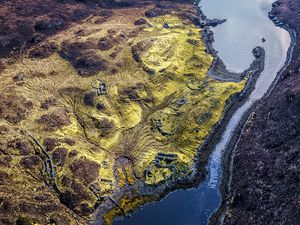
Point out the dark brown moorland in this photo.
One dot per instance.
(25, 23)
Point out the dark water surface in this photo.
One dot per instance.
(182, 207)
(247, 23)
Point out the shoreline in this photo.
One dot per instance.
(158, 193)
(117, 147)
(228, 158)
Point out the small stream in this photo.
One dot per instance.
(247, 23)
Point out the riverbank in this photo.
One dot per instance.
(54, 92)
(113, 120)
(241, 201)
(199, 171)
(245, 118)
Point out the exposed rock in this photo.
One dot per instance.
(19, 78)
(213, 22)
(166, 25)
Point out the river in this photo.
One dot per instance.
(247, 23)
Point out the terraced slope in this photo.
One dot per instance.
(96, 116)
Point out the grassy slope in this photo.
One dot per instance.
(103, 144)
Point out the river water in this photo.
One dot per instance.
(247, 23)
